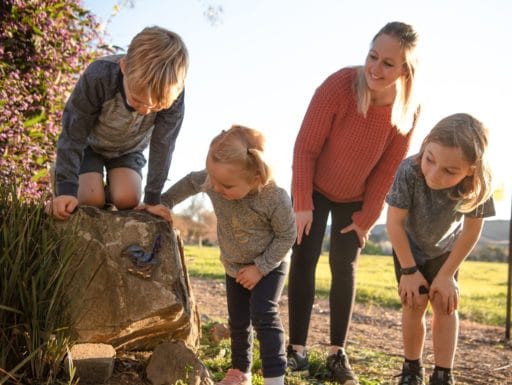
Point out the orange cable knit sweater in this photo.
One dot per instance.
(343, 155)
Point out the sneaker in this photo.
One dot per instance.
(441, 378)
(411, 375)
(340, 369)
(235, 377)
(296, 362)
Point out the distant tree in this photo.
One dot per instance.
(183, 224)
(198, 222)
(44, 45)
(489, 254)
(210, 222)
(378, 237)
(211, 12)
(372, 248)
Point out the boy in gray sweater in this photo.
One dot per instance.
(120, 105)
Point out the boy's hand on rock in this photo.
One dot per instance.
(159, 210)
(61, 207)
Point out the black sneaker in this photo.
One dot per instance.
(296, 361)
(340, 369)
(411, 375)
(440, 377)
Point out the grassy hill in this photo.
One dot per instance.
(492, 245)
(494, 231)
(497, 231)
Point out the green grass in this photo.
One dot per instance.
(374, 367)
(483, 285)
(36, 264)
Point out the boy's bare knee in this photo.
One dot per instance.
(92, 200)
(438, 308)
(126, 202)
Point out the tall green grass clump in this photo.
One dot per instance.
(35, 265)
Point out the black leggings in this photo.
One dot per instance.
(258, 308)
(344, 250)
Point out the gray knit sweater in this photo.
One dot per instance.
(257, 229)
(97, 115)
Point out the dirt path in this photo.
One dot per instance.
(483, 355)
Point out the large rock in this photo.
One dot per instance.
(172, 362)
(130, 307)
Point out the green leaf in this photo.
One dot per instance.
(11, 309)
(34, 120)
(40, 174)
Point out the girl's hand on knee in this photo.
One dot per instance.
(448, 289)
(249, 276)
(409, 289)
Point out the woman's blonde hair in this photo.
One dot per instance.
(471, 136)
(405, 106)
(156, 63)
(243, 147)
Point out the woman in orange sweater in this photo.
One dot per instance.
(355, 132)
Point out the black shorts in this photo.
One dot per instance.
(94, 162)
(429, 268)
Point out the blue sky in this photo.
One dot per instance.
(260, 65)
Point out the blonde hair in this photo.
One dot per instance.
(405, 106)
(156, 63)
(471, 136)
(243, 147)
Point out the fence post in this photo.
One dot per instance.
(509, 286)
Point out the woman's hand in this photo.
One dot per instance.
(362, 234)
(303, 221)
(249, 276)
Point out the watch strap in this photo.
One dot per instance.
(408, 270)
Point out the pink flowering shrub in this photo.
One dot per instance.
(44, 45)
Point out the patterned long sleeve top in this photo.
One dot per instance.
(258, 229)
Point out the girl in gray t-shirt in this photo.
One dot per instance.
(436, 208)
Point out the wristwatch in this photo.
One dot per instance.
(408, 270)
